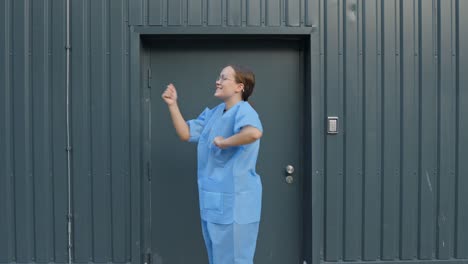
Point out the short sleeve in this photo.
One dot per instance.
(247, 116)
(196, 126)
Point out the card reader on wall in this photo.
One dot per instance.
(332, 125)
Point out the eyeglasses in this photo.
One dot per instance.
(223, 78)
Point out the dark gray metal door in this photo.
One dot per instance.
(193, 66)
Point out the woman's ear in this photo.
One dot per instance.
(240, 87)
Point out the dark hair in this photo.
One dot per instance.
(246, 77)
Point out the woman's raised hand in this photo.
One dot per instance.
(170, 95)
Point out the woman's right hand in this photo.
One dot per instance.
(170, 95)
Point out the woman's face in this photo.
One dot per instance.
(226, 86)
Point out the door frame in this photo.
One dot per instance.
(314, 128)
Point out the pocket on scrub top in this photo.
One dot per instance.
(212, 201)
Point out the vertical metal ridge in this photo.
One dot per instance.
(195, 12)
(436, 37)
(399, 38)
(302, 12)
(379, 120)
(3, 153)
(154, 11)
(399, 83)
(60, 124)
(108, 134)
(447, 123)
(341, 112)
(454, 55)
(111, 257)
(35, 126)
(184, 13)
(360, 83)
(381, 80)
(234, 15)
(292, 13)
(363, 83)
(244, 8)
(127, 83)
(126, 115)
(175, 15)
(420, 126)
(362, 47)
(28, 128)
(10, 220)
(136, 12)
(454, 36)
(371, 179)
(398, 105)
(430, 126)
(116, 74)
(273, 12)
(88, 109)
(91, 140)
(49, 102)
(41, 136)
(417, 82)
(325, 83)
(343, 82)
(224, 13)
(107, 76)
(399, 122)
(391, 136)
(462, 122)
(353, 124)
(98, 100)
(254, 13)
(309, 15)
(410, 130)
(417, 96)
(81, 131)
(215, 12)
(282, 15)
(334, 155)
(263, 12)
(146, 12)
(456, 17)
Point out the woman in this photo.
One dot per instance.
(230, 190)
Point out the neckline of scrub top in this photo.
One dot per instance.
(232, 107)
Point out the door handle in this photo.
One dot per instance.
(289, 171)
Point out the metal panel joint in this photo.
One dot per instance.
(149, 77)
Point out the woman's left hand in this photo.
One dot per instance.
(218, 141)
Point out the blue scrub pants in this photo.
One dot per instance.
(230, 244)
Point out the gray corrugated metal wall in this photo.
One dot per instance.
(33, 177)
(389, 186)
(269, 13)
(395, 74)
(33, 182)
(100, 131)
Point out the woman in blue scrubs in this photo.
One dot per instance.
(230, 190)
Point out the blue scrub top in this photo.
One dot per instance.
(230, 190)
